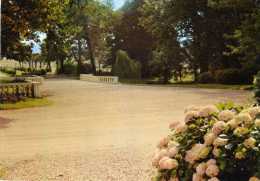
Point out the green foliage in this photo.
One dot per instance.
(19, 20)
(257, 87)
(26, 103)
(70, 68)
(125, 67)
(131, 37)
(206, 77)
(8, 71)
(24, 71)
(233, 76)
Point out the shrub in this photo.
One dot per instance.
(8, 71)
(211, 144)
(257, 87)
(125, 67)
(35, 72)
(70, 68)
(233, 76)
(206, 77)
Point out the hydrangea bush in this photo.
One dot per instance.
(213, 143)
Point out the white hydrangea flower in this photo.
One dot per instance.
(201, 168)
(244, 118)
(254, 179)
(250, 142)
(216, 152)
(209, 138)
(208, 110)
(196, 152)
(226, 115)
(253, 111)
(257, 123)
(233, 123)
(220, 142)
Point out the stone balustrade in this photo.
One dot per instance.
(104, 79)
(34, 79)
(26, 89)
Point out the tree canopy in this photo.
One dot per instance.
(169, 38)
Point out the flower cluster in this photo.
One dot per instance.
(211, 144)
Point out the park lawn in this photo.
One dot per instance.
(213, 86)
(188, 84)
(28, 103)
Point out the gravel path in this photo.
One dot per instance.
(95, 132)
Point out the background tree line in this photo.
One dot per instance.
(212, 40)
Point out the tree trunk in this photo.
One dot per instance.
(79, 57)
(49, 65)
(62, 65)
(91, 54)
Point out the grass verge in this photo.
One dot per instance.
(28, 103)
(2, 171)
(213, 86)
(188, 84)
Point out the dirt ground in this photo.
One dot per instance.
(95, 131)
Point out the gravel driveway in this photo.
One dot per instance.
(95, 132)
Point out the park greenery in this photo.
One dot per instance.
(211, 41)
(25, 103)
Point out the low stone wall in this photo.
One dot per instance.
(104, 79)
(26, 89)
(34, 79)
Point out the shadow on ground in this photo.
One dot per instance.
(4, 122)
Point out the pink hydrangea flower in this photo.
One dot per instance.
(254, 179)
(172, 152)
(197, 177)
(218, 127)
(174, 124)
(211, 162)
(174, 179)
(213, 179)
(163, 142)
(201, 168)
(168, 163)
(191, 115)
(212, 170)
(180, 128)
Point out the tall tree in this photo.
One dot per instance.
(132, 37)
(19, 20)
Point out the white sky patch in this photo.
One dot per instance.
(36, 46)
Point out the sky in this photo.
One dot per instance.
(118, 3)
(37, 47)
